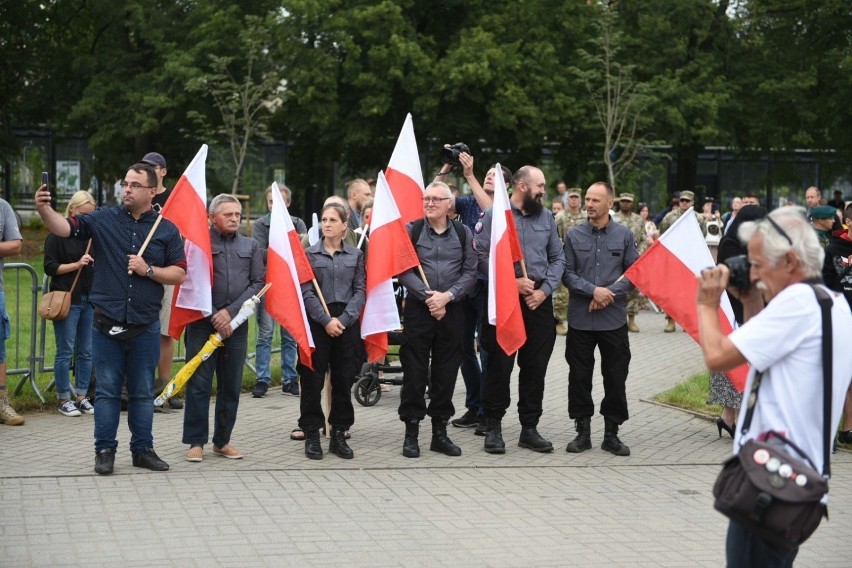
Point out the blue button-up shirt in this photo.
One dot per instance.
(115, 234)
(597, 258)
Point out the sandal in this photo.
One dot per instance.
(297, 434)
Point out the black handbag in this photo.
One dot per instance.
(765, 487)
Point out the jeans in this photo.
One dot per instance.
(227, 362)
(614, 346)
(744, 550)
(473, 369)
(136, 361)
(263, 349)
(74, 329)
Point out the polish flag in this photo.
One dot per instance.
(667, 272)
(187, 209)
(504, 304)
(391, 253)
(404, 176)
(287, 267)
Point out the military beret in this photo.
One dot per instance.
(823, 212)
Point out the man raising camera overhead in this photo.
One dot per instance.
(782, 338)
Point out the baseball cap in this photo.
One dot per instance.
(154, 159)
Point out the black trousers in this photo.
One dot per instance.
(533, 357)
(615, 360)
(341, 355)
(425, 336)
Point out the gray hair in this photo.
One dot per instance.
(446, 189)
(223, 198)
(805, 244)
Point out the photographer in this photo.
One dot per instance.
(782, 338)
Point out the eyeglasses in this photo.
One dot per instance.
(435, 200)
(778, 228)
(134, 185)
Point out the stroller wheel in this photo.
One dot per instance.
(368, 390)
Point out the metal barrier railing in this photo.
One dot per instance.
(21, 312)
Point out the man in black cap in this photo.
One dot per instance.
(167, 344)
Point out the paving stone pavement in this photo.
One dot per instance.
(277, 508)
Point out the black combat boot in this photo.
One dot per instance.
(410, 448)
(337, 445)
(442, 443)
(494, 437)
(313, 448)
(583, 441)
(531, 439)
(611, 443)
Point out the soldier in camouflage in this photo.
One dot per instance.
(687, 201)
(566, 220)
(634, 222)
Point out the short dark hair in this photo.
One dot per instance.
(148, 170)
(609, 190)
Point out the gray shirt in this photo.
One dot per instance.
(448, 266)
(597, 258)
(342, 278)
(9, 231)
(260, 231)
(540, 245)
(238, 272)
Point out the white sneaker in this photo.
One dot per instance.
(68, 408)
(85, 406)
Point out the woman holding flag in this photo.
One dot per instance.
(333, 306)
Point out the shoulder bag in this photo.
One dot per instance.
(775, 494)
(55, 305)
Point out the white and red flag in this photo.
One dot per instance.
(391, 253)
(287, 267)
(187, 209)
(504, 304)
(667, 272)
(404, 176)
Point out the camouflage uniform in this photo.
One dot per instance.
(635, 223)
(565, 221)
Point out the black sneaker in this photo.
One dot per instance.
(259, 390)
(149, 460)
(104, 462)
(290, 388)
(844, 437)
(481, 427)
(175, 403)
(467, 420)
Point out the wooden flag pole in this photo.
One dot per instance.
(148, 239)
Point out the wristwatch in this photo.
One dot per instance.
(452, 296)
(150, 272)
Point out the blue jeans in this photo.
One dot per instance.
(135, 360)
(227, 362)
(263, 349)
(744, 550)
(5, 326)
(75, 329)
(472, 371)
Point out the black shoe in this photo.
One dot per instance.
(611, 442)
(467, 420)
(313, 449)
(175, 403)
(844, 437)
(583, 441)
(149, 460)
(722, 425)
(338, 446)
(259, 390)
(481, 426)
(104, 462)
(441, 443)
(410, 447)
(531, 439)
(494, 437)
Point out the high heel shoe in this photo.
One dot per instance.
(722, 425)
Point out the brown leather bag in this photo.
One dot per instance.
(56, 305)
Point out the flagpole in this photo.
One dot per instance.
(423, 276)
(524, 268)
(327, 381)
(148, 239)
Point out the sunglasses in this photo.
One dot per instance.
(778, 228)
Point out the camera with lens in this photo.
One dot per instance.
(450, 154)
(739, 267)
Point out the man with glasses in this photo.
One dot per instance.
(685, 203)
(434, 320)
(126, 292)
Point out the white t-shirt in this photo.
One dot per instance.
(785, 341)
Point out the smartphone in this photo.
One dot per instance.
(45, 178)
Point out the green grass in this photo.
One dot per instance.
(691, 394)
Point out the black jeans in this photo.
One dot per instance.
(473, 368)
(425, 336)
(533, 357)
(744, 550)
(340, 355)
(615, 360)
